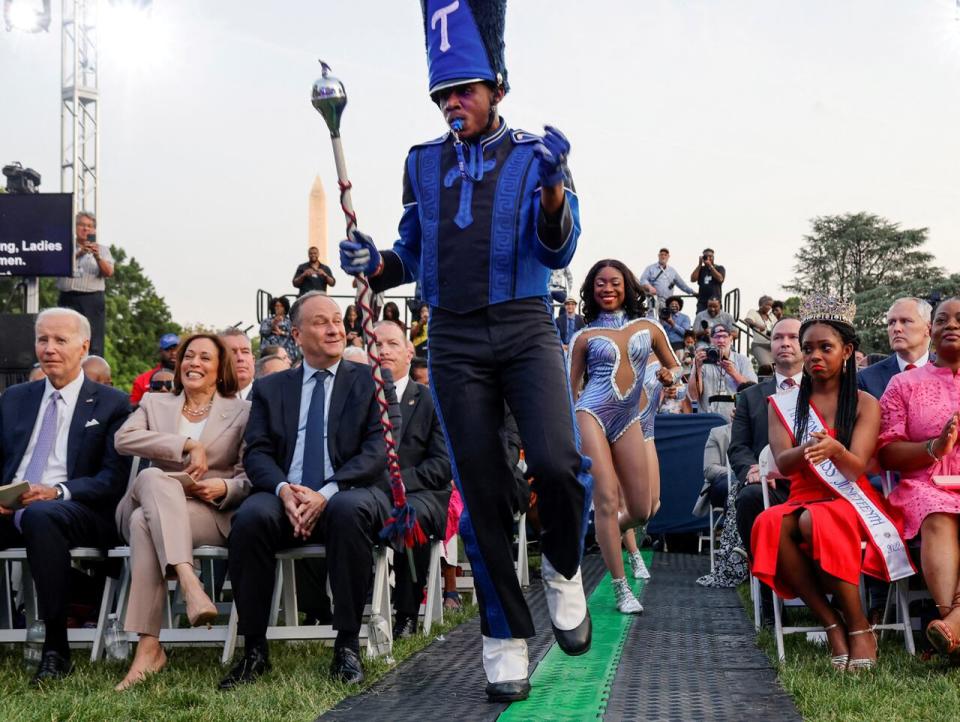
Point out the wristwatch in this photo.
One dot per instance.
(59, 492)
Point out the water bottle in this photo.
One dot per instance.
(115, 640)
(378, 631)
(33, 649)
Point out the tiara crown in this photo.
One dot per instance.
(818, 307)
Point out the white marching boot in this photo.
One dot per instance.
(568, 609)
(506, 663)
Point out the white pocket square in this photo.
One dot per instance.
(91, 422)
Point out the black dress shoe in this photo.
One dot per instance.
(346, 665)
(53, 665)
(405, 626)
(512, 690)
(253, 664)
(576, 641)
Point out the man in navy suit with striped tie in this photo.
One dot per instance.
(57, 436)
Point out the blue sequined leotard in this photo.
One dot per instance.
(601, 397)
(654, 389)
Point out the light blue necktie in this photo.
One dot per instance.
(46, 440)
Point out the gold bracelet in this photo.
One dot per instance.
(929, 447)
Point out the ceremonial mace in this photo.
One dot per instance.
(330, 98)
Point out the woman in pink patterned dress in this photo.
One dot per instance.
(920, 417)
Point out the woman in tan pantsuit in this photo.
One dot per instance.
(198, 432)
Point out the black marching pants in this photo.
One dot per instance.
(509, 351)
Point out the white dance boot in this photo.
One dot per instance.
(568, 609)
(506, 663)
(638, 566)
(627, 602)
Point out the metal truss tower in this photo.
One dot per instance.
(80, 105)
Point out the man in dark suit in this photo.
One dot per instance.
(908, 328)
(568, 320)
(57, 435)
(425, 467)
(314, 452)
(748, 435)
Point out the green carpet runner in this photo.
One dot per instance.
(577, 688)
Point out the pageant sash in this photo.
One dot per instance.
(882, 531)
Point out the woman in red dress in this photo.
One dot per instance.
(810, 546)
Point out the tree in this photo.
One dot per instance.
(853, 253)
(136, 318)
(872, 306)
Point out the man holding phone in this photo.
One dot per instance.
(84, 291)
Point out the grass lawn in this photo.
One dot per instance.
(901, 688)
(298, 687)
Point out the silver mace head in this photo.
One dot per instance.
(329, 98)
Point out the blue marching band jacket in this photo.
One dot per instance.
(475, 243)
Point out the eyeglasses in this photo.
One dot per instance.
(161, 385)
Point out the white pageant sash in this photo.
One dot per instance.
(882, 531)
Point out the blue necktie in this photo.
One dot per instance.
(313, 437)
(569, 327)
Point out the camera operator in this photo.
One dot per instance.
(675, 323)
(84, 291)
(717, 372)
(709, 278)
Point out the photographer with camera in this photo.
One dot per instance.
(709, 278)
(717, 372)
(84, 291)
(675, 323)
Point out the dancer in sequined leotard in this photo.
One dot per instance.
(608, 362)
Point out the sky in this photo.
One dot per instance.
(693, 123)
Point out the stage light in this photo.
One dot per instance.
(29, 16)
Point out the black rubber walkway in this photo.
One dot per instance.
(445, 680)
(690, 656)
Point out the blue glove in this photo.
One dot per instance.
(552, 153)
(359, 255)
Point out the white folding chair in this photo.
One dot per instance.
(285, 598)
(898, 594)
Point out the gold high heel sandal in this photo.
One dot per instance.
(861, 665)
(839, 661)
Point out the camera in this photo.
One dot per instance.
(713, 355)
(664, 314)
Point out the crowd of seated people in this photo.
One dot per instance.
(298, 458)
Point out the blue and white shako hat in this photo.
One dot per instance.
(464, 42)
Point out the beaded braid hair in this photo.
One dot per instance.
(848, 393)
